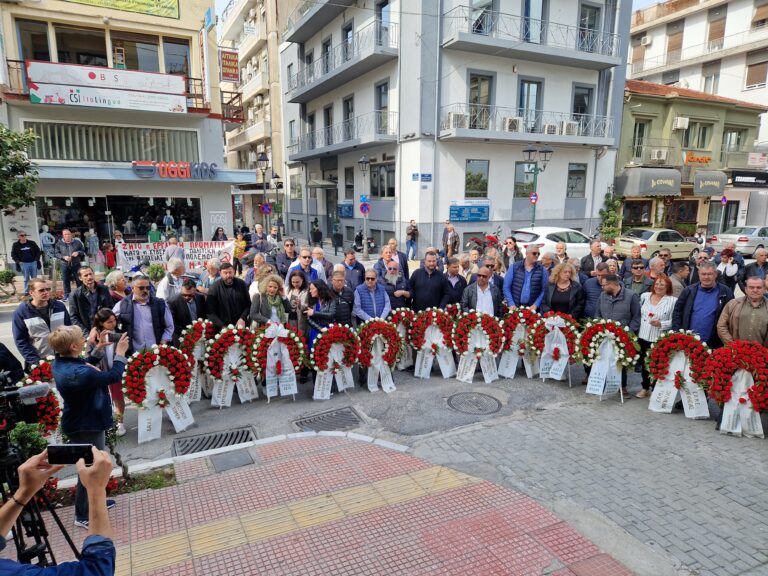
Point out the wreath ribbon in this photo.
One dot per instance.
(379, 368)
(740, 417)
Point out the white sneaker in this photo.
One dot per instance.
(121, 431)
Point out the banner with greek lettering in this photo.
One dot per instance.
(378, 369)
(488, 367)
(447, 363)
(195, 253)
(665, 394)
(554, 339)
(323, 384)
(406, 358)
(179, 412)
(150, 424)
(467, 367)
(511, 358)
(739, 418)
(324, 380)
(247, 390)
(221, 397)
(424, 361)
(283, 383)
(604, 378)
(198, 377)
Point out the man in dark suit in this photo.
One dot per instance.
(482, 295)
(228, 301)
(453, 284)
(186, 307)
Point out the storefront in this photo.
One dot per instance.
(645, 191)
(754, 185)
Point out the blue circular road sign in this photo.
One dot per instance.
(365, 208)
(533, 197)
(266, 209)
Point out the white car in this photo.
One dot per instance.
(577, 243)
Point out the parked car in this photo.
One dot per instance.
(651, 240)
(747, 239)
(577, 243)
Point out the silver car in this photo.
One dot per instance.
(746, 238)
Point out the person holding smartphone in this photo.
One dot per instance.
(103, 321)
(87, 413)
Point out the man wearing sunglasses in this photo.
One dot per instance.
(305, 264)
(371, 299)
(145, 318)
(185, 307)
(286, 257)
(526, 281)
(482, 295)
(33, 321)
(638, 282)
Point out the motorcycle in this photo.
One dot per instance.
(358, 245)
(489, 241)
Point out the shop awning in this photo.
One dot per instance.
(648, 182)
(321, 184)
(709, 183)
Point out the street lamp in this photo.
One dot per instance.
(364, 164)
(533, 155)
(262, 163)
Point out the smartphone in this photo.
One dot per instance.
(69, 453)
(114, 337)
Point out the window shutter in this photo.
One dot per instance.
(756, 74)
(717, 30)
(710, 68)
(761, 14)
(675, 42)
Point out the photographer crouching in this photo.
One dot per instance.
(98, 554)
(87, 413)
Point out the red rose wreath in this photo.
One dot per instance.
(724, 362)
(48, 408)
(453, 310)
(402, 316)
(474, 320)
(424, 320)
(218, 349)
(516, 316)
(335, 334)
(294, 342)
(393, 344)
(192, 334)
(172, 359)
(595, 331)
(661, 352)
(538, 332)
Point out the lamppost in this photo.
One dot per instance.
(532, 155)
(262, 163)
(364, 164)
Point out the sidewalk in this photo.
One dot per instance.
(328, 505)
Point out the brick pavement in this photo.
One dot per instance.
(334, 506)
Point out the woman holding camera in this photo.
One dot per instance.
(106, 321)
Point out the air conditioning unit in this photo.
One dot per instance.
(514, 124)
(659, 154)
(457, 120)
(680, 123)
(646, 40)
(569, 128)
(551, 129)
(259, 101)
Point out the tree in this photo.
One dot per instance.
(610, 217)
(18, 174)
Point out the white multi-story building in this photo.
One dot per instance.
(442, 98)
(716, 46)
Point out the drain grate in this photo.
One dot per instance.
(341, 419)
(202, 442)
(474, 403)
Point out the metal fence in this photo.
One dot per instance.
(378, 123)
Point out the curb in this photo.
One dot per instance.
(162, 463)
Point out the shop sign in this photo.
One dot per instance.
(175, 170)
(469, 213)
(98, 77)
(741, 179)
(164, 8)
(694, 158)
(228, 64)
(57, 95)
(709, 183)
(196, 254)
(758, 159)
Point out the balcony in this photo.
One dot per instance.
(232, 107)
(231, 19)
(700, 53)
(670, 8)
(359, 132)
(655, 152)
(369, 48)
(744, 159)
(258, 84)
(496, 33)
(310, 16)
(252, 131)
(473, 122)
(251, 39)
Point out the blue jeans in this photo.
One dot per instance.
(410, 245)
(29, 270)
(98, 439)
(69, 275)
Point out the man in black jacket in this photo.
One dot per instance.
(286, 257)
(482, 295)
(401, 258)
(427, 284)
(26, 255)
(88, 299)
(699, 306)
(590, 261)
(228, 301)
(345, 298)
(186, 307)
(453, 284)
(757, 268)
(71, 252)
(396, 286)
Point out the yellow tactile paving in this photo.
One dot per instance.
(221, 535)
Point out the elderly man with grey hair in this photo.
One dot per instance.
(210, 276)
(699, 306)
(170, 285)
(757, 268)
(656, 267)
(548, 261)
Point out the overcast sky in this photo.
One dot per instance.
(636, 4)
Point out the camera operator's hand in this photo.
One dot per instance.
(95, 476)
(122, 346)
(104, 339)
(33, 474)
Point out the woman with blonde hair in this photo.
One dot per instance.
(269, 304)
(613, 266)
(118, 286)
(564, 293)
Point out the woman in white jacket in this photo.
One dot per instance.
(656, 307)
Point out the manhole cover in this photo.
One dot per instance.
(474, 403)
(342, 419)
(202, 442)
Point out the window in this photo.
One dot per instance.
(639, 134)
(349, 233)
(671, 77)
(348, 40)
(589, 28)
(480, 87)
(637, 212)
(582, 101)
(733, 139)
(296, 191)
(81, 46)
(292, 132)
(697, 136)
(638, 53)
(296, 226)
(376, 235)
(757, 67)
(382, 107)
(476, 179)
(348, 115)
(349, 183)
(534, 12)
(292, 79)
(176, 54)
(135, 51)
(328, 125)
(705, 131)
(710, 73)
(577, 180)
(33, 40)
(529, 101)
(716, 33)
(675, 41)
(383, 180)
(760, 18)
(523, 179)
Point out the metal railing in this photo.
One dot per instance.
(378, 123)
(232, 106)
(659, 151)
(513, 120)
(754, 159)
(739, 40)
(660, 10)
(467, 20)
(364, 42)
(298, 12)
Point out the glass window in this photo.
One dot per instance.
(383, 180)
(349, 233)
(582, 100)
(733, 139)
(711, 83)
(705, 131)
(176, 54)
(476, 179)
(577, 180)
(574, 237)
(81, 46)
(291, 131)
(756, 74)
(296, 189)
(33, 40)
(639, 133)
(349, 184)
(523, 179)
(135, 51)
(480, 88)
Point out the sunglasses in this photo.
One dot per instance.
(370, 279)
(142, 288)
(533, 253)
(22, 235)
(637, 267)
(392, 269)
(43, 290)
(287, 245)
(306, 257)
(482, 276)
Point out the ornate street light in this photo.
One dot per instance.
(363, 164)
(262, 163)
(536, 156)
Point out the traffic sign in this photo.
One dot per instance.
(533, 197)
(266, 209)
(723, 200)
(365, 208)
(363, 198)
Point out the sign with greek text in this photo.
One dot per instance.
(195, 253)
(39, 72)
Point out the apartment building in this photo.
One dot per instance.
(426, 108)
(127, 108)
(249, 34)
(676, 167)
(715, 46)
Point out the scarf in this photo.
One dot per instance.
(276, 302)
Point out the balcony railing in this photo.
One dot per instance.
(466, 20)
(515, 121)
(740, 40)
(661, 10)
(302, 8)
(748, 159)
(232, 106)
(378, 123)
(364, 42)
(657, 151)
(252, 130)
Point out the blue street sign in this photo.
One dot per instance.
(533, 197)
(345, 210)
(365, 208)
(723, 200)
(266, 209)
(426, 177)
(363, 198)
(469, 213)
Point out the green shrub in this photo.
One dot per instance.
(28, 438)
(7, 276)
(156, 272)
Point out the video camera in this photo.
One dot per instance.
(17, 404)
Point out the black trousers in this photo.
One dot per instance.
(645, 346)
